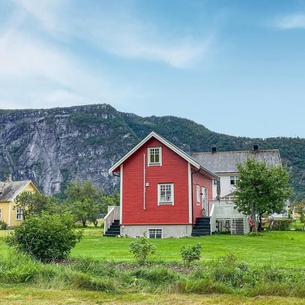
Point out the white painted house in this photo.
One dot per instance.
(224, 165)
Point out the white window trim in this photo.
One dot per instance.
(171, 202)
(233, 178)
(19, 212)
(198, 194)
(0, 214)
(160, 156)
(148, 235)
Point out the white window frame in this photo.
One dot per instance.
(233, 180)
(161, 200)
(149, 231)
(198, 194)
(150, 153)
(0, 214)
(19, 214)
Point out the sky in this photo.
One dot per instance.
(235, 66)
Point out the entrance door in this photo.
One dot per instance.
(205, 211)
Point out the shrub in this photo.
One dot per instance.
(282, 224)
(3, 225)
(46, 237)
(142, 249)
(190, 253)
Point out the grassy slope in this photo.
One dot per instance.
(283, 249)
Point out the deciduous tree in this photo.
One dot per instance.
(261, 189)
(34, 203)
(84, 201)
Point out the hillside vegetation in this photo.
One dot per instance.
(54, 146)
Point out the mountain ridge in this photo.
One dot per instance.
(54, 146)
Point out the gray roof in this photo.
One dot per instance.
(226, 161)
(9, 190)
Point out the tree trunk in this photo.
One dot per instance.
(254, 219)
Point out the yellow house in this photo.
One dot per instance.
(9, 190)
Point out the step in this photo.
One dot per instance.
(194, 234)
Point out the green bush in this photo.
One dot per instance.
(3, 225)
(190, 253)
(142, 249)
(46, 237)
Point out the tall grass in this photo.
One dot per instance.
(265, 265)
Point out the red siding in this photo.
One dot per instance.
(174, 169)
(202, 181)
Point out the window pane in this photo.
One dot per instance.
(166, 193)
(154, 155)
(155, 233)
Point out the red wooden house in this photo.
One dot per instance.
(163, 192)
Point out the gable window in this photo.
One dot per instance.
(19, 214)
(155, 233)
(154, 156)
(233, 180)
(198, 194)
(166, 193)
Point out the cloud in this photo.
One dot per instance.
(43, 10)
(36, 73)
(41, 68)
(296, 21)
(118, 30)
(136, 39)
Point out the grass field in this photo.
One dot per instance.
(284, 249)
(270, 251)
(17, 296)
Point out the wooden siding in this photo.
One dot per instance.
(202, 181)
(140, 209)
(8, 208)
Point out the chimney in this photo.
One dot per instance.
(255, 147)
(214, 150)
(8, 178)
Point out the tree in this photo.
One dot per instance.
(84, 201)
(34, 204)
(261, 189)
(45, 237)
(110, 200)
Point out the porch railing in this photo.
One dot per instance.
(112, 215)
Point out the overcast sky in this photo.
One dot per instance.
(235, 66)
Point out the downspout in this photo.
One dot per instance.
(144, 182)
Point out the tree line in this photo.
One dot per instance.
(84, 201)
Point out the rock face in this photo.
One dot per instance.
(53, 147)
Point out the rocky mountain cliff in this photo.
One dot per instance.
(54, 146)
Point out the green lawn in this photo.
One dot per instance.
(271, 249)
(284, 249)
